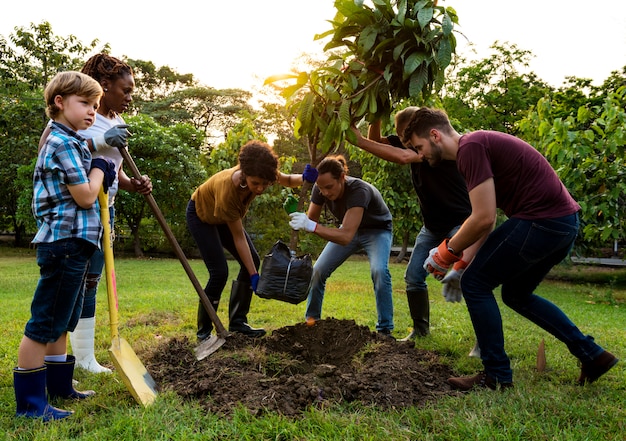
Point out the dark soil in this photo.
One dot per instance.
(331, 362)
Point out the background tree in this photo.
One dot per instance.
(28, 60)
(586, 147)
(493, 93)
(378, 55)
(170, 156)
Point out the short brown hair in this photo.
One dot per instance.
(69, 83)
(423, 120)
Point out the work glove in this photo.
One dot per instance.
(108, 168)
(116, 136)
(309, 174)
(452, 282)
(254, 281)
(300, 221)
(291, 204)
(439, 260)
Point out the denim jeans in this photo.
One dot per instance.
(377, 245)
(518, 255)
(415, 274)
(58, 299)
(212, 240)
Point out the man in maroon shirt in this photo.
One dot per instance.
(502, 171)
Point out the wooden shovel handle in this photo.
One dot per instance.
(219, 327)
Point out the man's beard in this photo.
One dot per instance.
(436, 154)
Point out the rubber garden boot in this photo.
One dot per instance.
(205, 324)
(238, 308)
(82, 340)
(30, 395)
(419, 308)
(59, 380)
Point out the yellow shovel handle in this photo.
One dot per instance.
(107, 248)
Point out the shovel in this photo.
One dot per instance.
(214, 342)
(134, 374)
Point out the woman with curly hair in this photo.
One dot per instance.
(214, 218)
(105, 137)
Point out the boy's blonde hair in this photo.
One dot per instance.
(70, 83)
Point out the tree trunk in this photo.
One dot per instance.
(405, 245)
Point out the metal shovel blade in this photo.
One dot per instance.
(208, 346)
(134, 374)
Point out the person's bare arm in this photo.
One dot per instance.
(290, 180)
(373, 133)
(384, 151)
(85, 195)
(342, 235)
(480, 222)
(241, 244)
(141, 186)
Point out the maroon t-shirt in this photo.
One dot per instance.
(527, 187)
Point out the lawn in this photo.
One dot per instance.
(157, 302)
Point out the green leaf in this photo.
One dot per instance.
(367, 38)
(417, 81)
(344, 115)
(424, 16)
(446, 25)
(412, 63)
(444, 54)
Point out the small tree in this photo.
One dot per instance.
(378, 55)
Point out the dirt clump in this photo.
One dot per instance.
(333, 361)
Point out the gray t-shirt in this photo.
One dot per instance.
(358, 193)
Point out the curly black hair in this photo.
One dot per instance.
(257, 158)
(105, 67)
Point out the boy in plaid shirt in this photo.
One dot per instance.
(66, 186)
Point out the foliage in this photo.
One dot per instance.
(170, 156)
(27, 62)
(586, 147)
(209, 110)
(493, 93)
(36, 54)
(379, 55)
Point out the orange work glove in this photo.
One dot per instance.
(439, 260)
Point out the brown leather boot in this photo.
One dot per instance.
(594, 369)
(479, 380)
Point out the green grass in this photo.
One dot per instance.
(156, 300)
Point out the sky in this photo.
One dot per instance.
(238, 44)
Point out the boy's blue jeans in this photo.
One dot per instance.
(377, 245)
(58, 299)
(518, 255)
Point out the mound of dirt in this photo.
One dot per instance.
(299, 366)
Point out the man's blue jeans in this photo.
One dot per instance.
(415, 274)
(377, 245)
(518, 255)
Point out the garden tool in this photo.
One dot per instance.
(133, 373)
(214, 342)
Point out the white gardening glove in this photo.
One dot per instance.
(452, 283)
(116, 136)
(300, 221)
